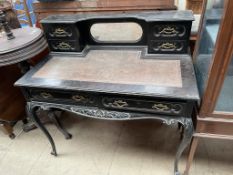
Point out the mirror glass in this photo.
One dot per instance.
(120, 32)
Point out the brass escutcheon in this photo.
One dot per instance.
(46, 95)
(78, 98)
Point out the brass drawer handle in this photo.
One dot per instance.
(60, 32)
(173, 108)
(78, 98)
(160, 107)
(119, 103)
(62, 46)
(168, 46)
(169, 31)
(46, 95)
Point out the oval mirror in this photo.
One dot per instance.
(120, 32)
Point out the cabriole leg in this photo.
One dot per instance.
(53, 117)
(187, 137)
(31, 110)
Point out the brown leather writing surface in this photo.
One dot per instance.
(112, 66)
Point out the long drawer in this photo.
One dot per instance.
(111, 102)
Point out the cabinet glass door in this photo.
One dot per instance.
(205, 48)
(225, 99)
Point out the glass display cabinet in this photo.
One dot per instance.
(213, 62)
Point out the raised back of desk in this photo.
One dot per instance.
(163, 32)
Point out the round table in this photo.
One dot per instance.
(25, 44)
(28, 42)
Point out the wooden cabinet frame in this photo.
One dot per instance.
(221, 59)
(211, 123)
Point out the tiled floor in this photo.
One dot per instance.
(109, 148)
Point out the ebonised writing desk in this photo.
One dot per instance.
(152, 78)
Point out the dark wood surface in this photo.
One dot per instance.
(45, 89)
(11, 99)
(116, 81)
(12, 108)
(149, 16)
(164, 32)
(188, 90)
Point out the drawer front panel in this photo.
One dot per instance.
(64, 46)
(150, 106)
(156, 106)
(61, 31)
(170, 31)
(64, 97)
(168, 47)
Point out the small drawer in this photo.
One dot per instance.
(64, 46)
(45, 95)
(63, 97)
(170, 31)
(149, 106)
(168, 47)
(61, 31)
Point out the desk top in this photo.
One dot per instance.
(123, 71)
(171, 15)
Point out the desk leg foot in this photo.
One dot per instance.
(187, 137)
(54, 153)
(58, 124)
(31, 110)
(12, 136)
(8, 129)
